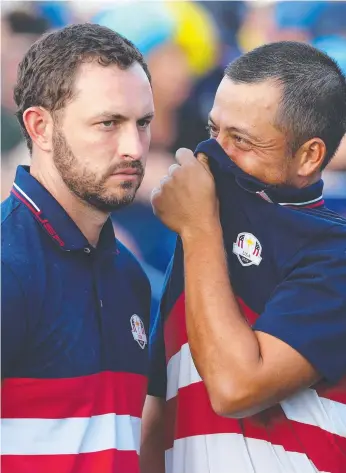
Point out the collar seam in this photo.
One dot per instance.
(44, 222)
(313, 201)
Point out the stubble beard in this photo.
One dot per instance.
(86, 185)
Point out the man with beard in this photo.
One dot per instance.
(75, 302)
(248, 356)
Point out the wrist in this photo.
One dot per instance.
(210, 230)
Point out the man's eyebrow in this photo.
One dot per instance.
(242, 131)
(121, 118)
(148, 116)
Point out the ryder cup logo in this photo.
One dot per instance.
(138, 330)
(248, 249)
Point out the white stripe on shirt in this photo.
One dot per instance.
(70, 436)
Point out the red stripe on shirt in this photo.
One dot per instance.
(85, 396)
(107, 461)
(175, 327)
(190, 413)
(44, 222)
(316, 204)
(250, 315)
(25, 202)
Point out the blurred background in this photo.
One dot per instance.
(187, 46)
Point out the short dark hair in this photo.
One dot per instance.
(314, 91)
(46, 73)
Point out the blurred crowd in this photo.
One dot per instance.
(187, 46)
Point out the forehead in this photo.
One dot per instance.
(249, 105)
(123, 91)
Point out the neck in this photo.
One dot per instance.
(308, 181)
(88, 219)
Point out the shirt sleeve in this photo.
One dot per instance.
(308, 309)
(157, 355)
(13, 320)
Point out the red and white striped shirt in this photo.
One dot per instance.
(89, 424)
(304, 434)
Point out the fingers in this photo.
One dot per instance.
(184, 156)
(172, 168)
(203, 159)
(154, 192)
(164, 179)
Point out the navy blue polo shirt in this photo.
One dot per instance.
(287, 260)
(74, 341)
(286, 255)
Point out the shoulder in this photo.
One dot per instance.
(21, 246)
(17, 223)
(14, 226)
(9, 211)
(307, 309)
(327, 244)
(327, 216)
(317, 236)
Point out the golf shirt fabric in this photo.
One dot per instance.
(287, 261)
(74, 341)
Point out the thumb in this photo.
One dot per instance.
(204, 160)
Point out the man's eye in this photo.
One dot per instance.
(107, 124)
(242, 143)
(212, 130)
(144, 123)
(239, 139)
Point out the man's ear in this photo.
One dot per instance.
(311, 156)
(39, 125)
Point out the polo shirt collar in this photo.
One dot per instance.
(52, 217)
(221, 164)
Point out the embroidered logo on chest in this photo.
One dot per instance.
(248, 249)
(138, 330)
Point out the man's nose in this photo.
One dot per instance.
(129, 143)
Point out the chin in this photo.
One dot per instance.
(109, 203)
(128, 193)
(125, 191)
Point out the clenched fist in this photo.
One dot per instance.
(186, 200)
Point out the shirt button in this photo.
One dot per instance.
(87, 250)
